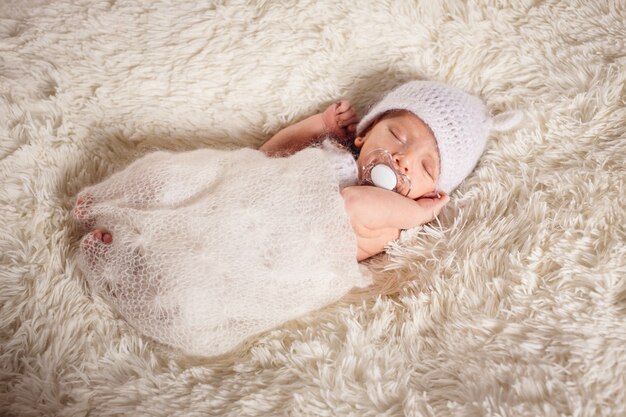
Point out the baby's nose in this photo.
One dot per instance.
(402, 163)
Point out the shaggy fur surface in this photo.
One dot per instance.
(515, 305)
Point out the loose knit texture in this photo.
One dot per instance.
(343, 163)
(210, 247)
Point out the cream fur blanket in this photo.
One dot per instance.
(514, 305)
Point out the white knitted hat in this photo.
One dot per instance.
(459, 121)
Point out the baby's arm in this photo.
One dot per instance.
(338, 120)
(377, 215)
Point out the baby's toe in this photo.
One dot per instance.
(94, 249)
(82, 211)
(102, 235)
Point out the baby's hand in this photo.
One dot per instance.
(340, 120)
(431, 204)
(377, 215)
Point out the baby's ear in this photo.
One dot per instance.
(506, 121)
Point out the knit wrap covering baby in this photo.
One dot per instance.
(211, 247)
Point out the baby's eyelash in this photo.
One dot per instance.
(395, 136)
(428, 172)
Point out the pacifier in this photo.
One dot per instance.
(378, 168)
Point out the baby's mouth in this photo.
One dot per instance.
(379, 168)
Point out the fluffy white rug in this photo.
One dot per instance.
(514, 306)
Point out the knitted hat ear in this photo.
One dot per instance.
(506, 121)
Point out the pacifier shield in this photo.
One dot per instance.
(384, 177)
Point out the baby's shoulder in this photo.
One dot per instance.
(342, 161)
(330, 144)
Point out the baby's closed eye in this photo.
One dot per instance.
(429, 170)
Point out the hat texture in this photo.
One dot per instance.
(459, 121)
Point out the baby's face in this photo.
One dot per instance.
(413, 148)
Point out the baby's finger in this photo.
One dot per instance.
(343, 106)
(347, 114)
(439, 199)
(433, 202)
(439, 203)
(349, 121)
(348, 117)
(346, 124)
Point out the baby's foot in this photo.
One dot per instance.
(340, 119)
(82, 208)
(96, 246)
(102, 235)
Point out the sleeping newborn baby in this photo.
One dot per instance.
(202, 249)
(420, 141)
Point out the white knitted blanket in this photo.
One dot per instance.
(210, 247)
